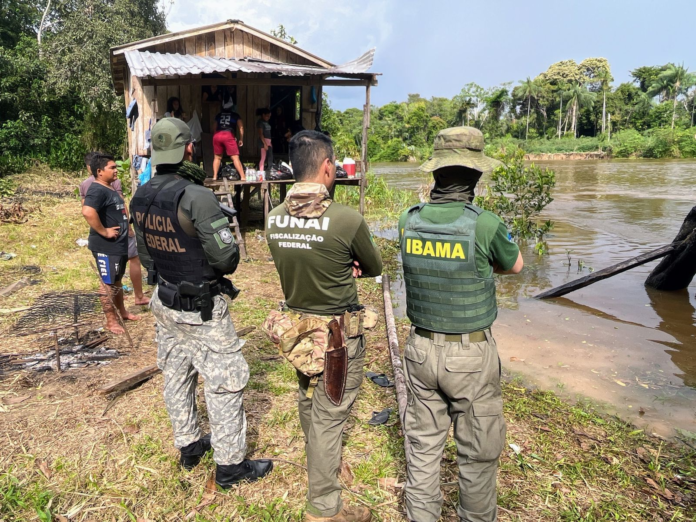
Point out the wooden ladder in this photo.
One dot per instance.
(235, 221)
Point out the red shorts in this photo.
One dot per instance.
(225, 143)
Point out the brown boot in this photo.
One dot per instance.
(347, 514)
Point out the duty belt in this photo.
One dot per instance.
(184, 303)
(474, 337)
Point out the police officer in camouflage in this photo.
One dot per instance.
(450, 251)
(185, 242)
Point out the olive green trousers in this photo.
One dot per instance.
(322, 424)
(453, 382)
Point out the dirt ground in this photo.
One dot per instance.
(70, 453)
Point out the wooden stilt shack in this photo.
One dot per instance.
(256, 68)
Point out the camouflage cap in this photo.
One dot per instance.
(459, 146)
(169, 138)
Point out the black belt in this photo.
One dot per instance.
(187, 303)
(474, 337)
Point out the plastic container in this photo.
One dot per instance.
(349, 167)
(260, 175)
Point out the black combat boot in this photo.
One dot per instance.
(227, 476)
(191, 455)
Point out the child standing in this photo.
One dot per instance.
(263, 129)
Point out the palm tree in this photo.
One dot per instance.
(579, 97)
(529, 89)
(675, 79)
(604, 78)
(561, 92)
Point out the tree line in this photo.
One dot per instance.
(569, 107)
(56, 97)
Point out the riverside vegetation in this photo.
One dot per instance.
(65, 457)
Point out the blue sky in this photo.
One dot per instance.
(434, 48)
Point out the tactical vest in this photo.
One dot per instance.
(177, 256)
(444, 291)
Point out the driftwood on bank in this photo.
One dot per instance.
(678, 268)
(395, 355)
(606, 272)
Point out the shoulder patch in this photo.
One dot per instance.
(225, 235)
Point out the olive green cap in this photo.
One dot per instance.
(459, 146)
(169, 138)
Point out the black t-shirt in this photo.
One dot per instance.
(112, 213)
(227, 120)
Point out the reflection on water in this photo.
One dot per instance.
(606, 212)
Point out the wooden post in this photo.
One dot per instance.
(395, 354)
(235, 221)
(363, 166)
(55, 343)
(245, 204)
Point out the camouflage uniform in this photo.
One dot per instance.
(188, 346)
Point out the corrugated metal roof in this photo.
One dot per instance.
(145, 64)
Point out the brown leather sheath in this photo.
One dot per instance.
(336, 365)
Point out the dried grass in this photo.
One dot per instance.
(62, 457)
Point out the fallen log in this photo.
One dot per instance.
(130, 381)
(395, 354)
(606, 272)
(678, 268)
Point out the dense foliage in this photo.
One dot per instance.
(518, 193)
(570, 107)
(56, 99)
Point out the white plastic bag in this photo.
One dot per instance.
(195, 125)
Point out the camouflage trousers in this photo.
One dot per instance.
(187, 347)
(453, 382)
(322, 424)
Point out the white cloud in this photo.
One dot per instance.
(336, 31)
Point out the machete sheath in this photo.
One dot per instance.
(336, 364)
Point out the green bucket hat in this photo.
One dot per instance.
(459, 146)
(169, 138)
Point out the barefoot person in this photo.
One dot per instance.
(134, 268)
(105, 212)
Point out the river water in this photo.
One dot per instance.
(617, 342)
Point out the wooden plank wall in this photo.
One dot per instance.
(228, 43)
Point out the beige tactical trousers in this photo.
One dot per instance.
(322, 424)
(453, 382)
